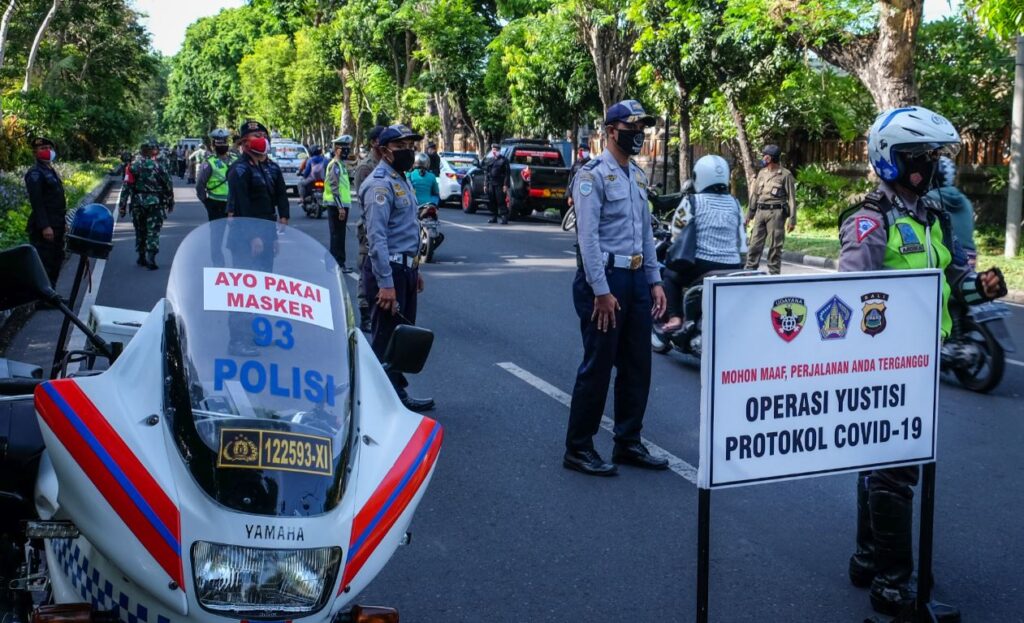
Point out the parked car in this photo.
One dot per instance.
(288, 155)
(454, 166)
(538, 178)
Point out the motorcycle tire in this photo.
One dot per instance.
(569, 220)
(994, 357)
(319, 212)
(426, 246)
(468, 204)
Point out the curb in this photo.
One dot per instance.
(23, 313)
(1014, 296)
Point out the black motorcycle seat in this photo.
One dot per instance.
(18, 386)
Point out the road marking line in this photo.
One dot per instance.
(676, 464)
(469, 227)
(1015, 362)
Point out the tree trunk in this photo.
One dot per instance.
(884, 60)
(4, 23)
(444, 114)
(610, 46)
(746, 155)
(1015, 195)
(34, 50)
(685, 166)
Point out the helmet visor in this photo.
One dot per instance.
(933, 150)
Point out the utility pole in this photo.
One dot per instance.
(1014, 196)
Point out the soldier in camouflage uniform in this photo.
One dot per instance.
(148, 185)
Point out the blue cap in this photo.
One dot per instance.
(397, 132)
(628, 111)
(92, 231)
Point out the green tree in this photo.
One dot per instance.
(265, 76)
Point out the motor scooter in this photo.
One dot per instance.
(430, 235)
(975, 351)
(243, 458)
(313, 202)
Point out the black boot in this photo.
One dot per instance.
(364, 319)
(151, 260)
(862, 563)
(892, 529)
(142, 259)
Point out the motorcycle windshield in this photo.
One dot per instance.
(259, 355)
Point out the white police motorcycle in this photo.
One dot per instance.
(243, 459)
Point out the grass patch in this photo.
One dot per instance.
(79, 178)
(825, 243)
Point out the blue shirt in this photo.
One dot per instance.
(425, 185)
(612, 217)
(392, 226)
(314, 166)
(961, 213)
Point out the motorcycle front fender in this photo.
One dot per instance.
(997, 328)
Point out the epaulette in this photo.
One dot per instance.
(591, 165)
(379, 173)
(876, 201)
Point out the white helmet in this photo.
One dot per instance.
(710, 171)
(901, 134)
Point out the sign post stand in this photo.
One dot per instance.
(782, 399)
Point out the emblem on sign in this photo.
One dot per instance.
(240, 449)
(833, 319)
(873, 321)
(788, 316)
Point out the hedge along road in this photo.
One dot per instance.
(505, 534)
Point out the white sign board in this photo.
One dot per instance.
(257, 292)
(818, 374)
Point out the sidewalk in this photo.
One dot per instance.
(814, 261)
(35, 332)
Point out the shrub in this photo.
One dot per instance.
(14, 148)
(821, 196)
(79, 178)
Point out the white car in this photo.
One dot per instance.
(453, 167)
(288, 155)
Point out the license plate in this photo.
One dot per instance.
(275, 450)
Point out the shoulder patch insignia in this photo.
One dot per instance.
(586, 187)
(380, 197)
(865, 225)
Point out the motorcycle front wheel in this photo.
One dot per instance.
(569, 220)
(426, 246)
(988, 372)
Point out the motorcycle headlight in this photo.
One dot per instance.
(258, 582)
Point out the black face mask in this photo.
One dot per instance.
(221, 149)
(345, 151)
(403, 159)
(924, 165)
(630, 141)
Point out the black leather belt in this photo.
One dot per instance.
(770, 206)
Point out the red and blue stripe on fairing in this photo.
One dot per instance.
(392, 496)
(115, 471)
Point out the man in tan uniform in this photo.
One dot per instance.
(772, 201)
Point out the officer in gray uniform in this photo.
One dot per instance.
(617, 293)
(391, 275)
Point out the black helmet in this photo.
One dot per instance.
(314, 150)
(773, 151)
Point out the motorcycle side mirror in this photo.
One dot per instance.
(408, 349)
(25, 278)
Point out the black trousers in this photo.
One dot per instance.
(51, 252)
(382, 323)
(216, 212)
(337, 228)
(240, 236)
(676, 282)
(496, 200)
(626, 347)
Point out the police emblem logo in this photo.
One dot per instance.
(380, 197)
(586, 187)
(865, 225)
(788, 317)
(240, 449)
(834, 319)
(873, 322)
(911, 243)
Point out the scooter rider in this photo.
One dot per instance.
(312, 170)
(338, 198)
(424, 182)
(895, 227)
(721, 235)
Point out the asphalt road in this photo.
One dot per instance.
(505, 534)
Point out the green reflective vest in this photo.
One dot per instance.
(217, 185)
(907, 249)
(344, 186)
